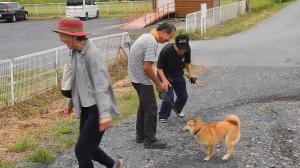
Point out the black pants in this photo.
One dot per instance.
(179, 86)
(147, 113)
(87, 147)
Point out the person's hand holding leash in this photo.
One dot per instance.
(166, 84)
(159, 86)
(162, 94)
(193, 80)
(104, 124)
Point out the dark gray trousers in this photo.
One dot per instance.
(87, 147)
(146, 121)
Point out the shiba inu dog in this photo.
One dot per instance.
(212, 133)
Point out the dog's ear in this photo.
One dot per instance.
(197, 118)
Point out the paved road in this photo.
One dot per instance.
(26, 37)
(255, 75)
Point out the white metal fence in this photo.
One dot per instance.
(25, 76)
(214, 16)
(106, 8)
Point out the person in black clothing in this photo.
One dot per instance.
(173, 59)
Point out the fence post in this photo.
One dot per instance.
(220, 14)
(213, 15)
(195, 28)
(59, 9)
(203, 17)
(168, 11)
(249, 6)
(106, 8)
(186, 24)
(131, 8)
(12, 83)
(56, 67)
(36, 10)
(123, 39)
(245, 6)
(227, 11)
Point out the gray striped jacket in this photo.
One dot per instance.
(91, 82)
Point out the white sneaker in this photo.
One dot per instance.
(180, 115)
(119, 164)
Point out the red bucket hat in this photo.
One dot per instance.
(70, 26)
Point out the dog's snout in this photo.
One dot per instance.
(185, 128)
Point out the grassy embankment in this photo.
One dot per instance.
(261, 10)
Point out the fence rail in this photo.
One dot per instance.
(162, 11)
(25, 76)
(106, 8)
(214, 16)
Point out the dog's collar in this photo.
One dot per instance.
(195, 133)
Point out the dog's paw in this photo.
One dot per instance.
(207, 158)
(225, 157)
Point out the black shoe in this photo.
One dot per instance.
(158, 144)
(139, 140)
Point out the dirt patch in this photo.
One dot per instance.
(122, 86)
(15, 125)
(14, 128)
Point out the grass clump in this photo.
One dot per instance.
(22, 146)
(42, 155)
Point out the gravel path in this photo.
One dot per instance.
(269, 134)
(254, 75)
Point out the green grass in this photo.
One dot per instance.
(225, 2)
(42, 155)
(5, 164)
(64, 134)
(110, 9)
(45, 1)
(26, 85)
(261, 9)
(128, 104)
(64, 129)
(22, 146)
(36, 1)
(61, 135)
(31, 107)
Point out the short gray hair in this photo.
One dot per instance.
(168, 27)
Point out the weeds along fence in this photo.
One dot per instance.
(214, 16)
(112, 8)
(25, 76)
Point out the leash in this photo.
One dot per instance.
(197, 86)
(163, 95)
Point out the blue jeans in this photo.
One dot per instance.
(179, 86)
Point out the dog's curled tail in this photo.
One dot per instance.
(233, 119)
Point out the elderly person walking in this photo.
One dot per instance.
(140, 72)
(91, 93)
